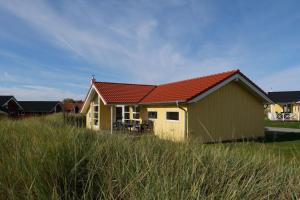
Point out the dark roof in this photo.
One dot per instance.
(39, 106)
(4, 99)
(285, 97)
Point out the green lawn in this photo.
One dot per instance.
(282, 124)
(41, 158)
(285, 149)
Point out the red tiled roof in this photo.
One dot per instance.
(187, 89)
(70, 106)
(123, 92)
(171, 92)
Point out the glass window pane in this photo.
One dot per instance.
(126, 108)
(126, 116)
(152, 115)
(172, 115)
(136, 115)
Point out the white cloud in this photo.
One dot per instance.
(127, 40)
(7, 77)
(32, 92)
(284, 80)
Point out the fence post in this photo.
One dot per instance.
(282, 116)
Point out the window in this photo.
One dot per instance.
(136, 112)
(152, 115)
(95, 115)
(126, 116)
(172, 116)
(126, 113)
(287, 108)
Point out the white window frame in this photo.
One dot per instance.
(123, 112)
(173, 120)
(135, 112)
(126, 112)
(93, 118)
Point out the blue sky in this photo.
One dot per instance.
(50, 49)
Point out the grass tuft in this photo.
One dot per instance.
(41, 158)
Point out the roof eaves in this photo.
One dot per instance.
(162, 102)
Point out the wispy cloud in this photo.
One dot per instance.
(149, 41)
(132, 41)
(33, 92)
(288, 79)
(7, 77)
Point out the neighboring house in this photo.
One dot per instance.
(73, 107)
(286, 105)
(33, 108)
(218, 107)
(9, 106)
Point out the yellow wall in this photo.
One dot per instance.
(296, 110)
(229, 113)
(279, 108)
(163, 128)
(104, 116)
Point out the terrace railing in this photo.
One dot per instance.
(284, 116)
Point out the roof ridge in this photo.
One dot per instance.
(190, 79)
(125, 83)
(147, 94)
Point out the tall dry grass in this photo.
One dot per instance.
(41, 158)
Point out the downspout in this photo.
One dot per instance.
(185, 119)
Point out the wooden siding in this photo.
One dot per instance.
(104, 116)
(163, 128)
(296, 108)
(229, 113)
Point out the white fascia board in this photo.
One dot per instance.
(227, 81)
(88, 98)
(15, 100)
(105, 103)
(255, 89)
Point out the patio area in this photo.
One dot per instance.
(133, 126)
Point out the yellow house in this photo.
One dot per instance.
(286, 106)
(218, 107)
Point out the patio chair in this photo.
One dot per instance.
(128, 124)
(148, 125)
(117, 126)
